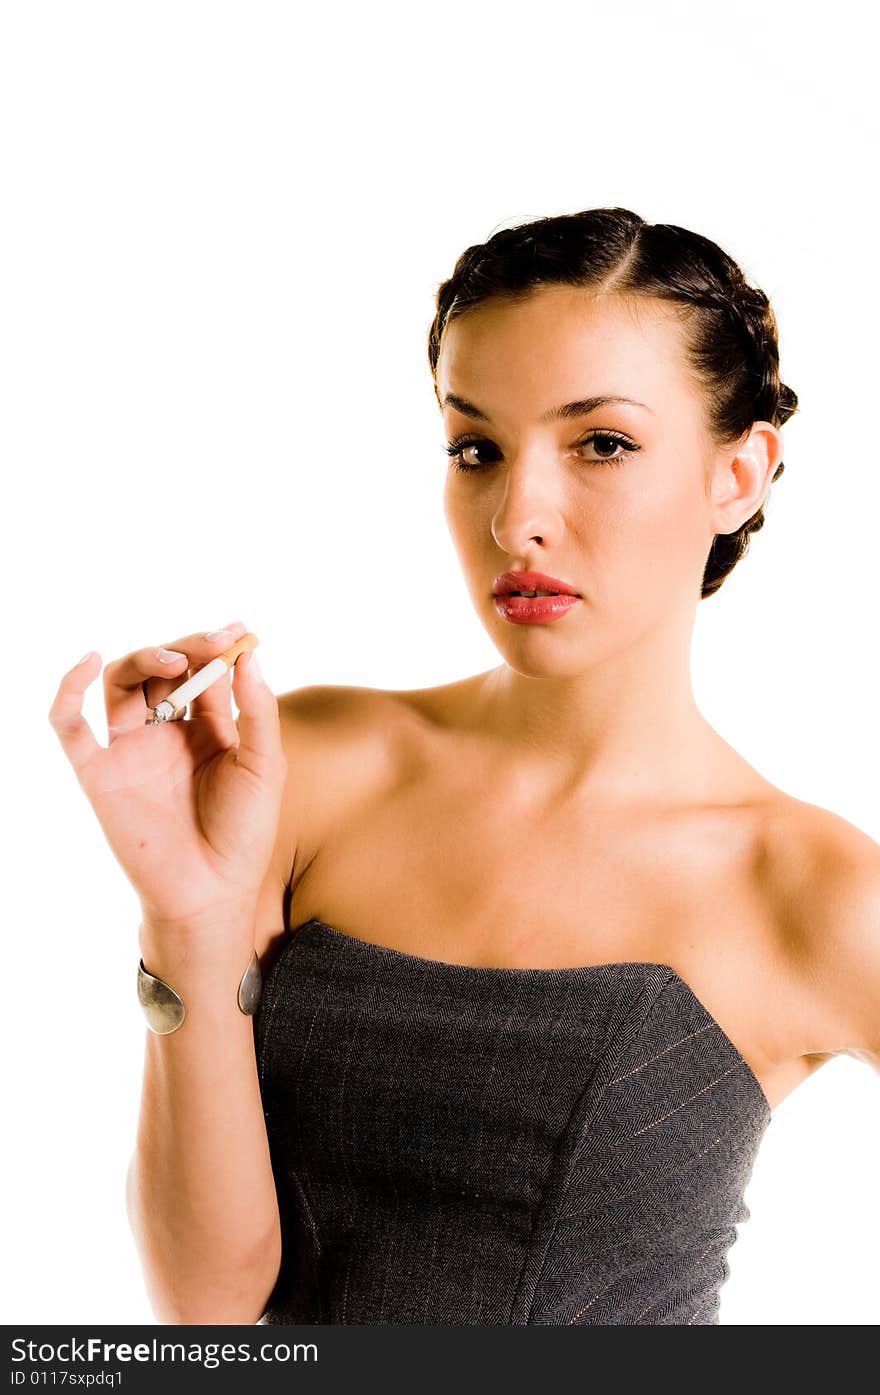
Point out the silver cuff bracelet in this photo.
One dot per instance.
(164, 1009)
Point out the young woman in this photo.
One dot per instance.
(541, 951)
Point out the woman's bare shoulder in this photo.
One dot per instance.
(333, 713)
(804, 832)
(325, 718)
(342, 742)
(825, 876)
(339, 742)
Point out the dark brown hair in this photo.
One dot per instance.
(731, 339)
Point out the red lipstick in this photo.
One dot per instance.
(532, 610)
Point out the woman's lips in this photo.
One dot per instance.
(533, 610)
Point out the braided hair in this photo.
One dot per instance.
(731, 332)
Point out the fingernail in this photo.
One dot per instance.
(84, 657)
(167, 656)
(254, 666)
(216, 634)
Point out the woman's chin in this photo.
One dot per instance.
(534, 657)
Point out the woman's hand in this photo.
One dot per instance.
(190, 808)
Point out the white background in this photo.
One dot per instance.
(223, 227)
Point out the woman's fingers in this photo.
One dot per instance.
(260, 745)
(215, 702)
(126, 685)
(66, 719)
(136, 683)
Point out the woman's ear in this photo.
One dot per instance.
(742, 481)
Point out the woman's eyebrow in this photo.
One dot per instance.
(565, 412)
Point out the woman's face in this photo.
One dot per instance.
(621, 502)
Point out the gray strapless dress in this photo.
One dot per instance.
(456, 1145)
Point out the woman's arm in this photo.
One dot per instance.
(839, 936)
(200, 1191)
(857, 942)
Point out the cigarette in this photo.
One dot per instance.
(176, 701)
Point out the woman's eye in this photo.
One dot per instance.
(609, 441)
(456, 452)
(605, 443)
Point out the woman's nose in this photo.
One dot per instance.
(529, 507)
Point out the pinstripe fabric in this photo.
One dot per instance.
(456, 1145)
